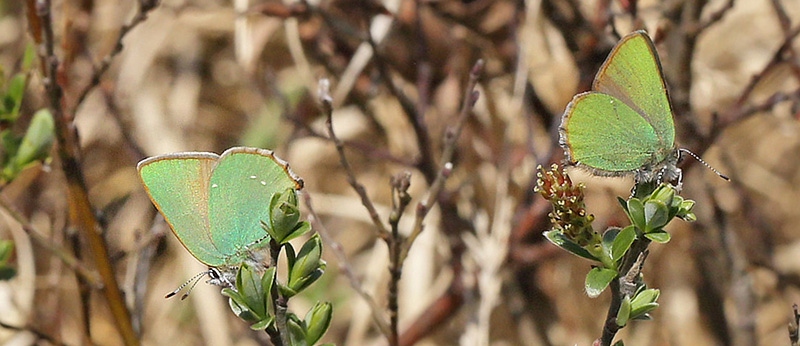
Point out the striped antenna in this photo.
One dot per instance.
(195, 278)
(704, 163)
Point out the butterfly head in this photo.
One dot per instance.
(664, 171)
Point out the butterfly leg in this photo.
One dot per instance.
(679, 187)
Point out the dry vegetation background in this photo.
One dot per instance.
(207, 75)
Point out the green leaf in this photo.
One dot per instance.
(622, 242)
(646, 296)
(27, 56)
(664, 193)
(297, 331)
(659, 236)
(636, 210)
(642, 310)
(239, 306)
(597, 280)
(286, 291)
(300, 229)
(249, 286)
(619, 343)
(37, 141)
(9, 144)
(266, 285)
(656, 215)
(308, 261)
(623, 204)
(7, 273)
(6, 247)
(560, 240)
(685, 211)
(624, 312)
(608, 239)
(263, 324)
(676, 202)
(688, 217)
(317, 321)
(15, 91)
(284, 214)
(644, 302)
(291, 256)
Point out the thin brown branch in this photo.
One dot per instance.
(783, 17)
(786, 26)
(470, 97)
(422, 64)
(77, 194)
(124, 127)
(770, 103)
(364, 148)
(633, 257)
(327, 107)
(716, 16)
(744, 332)
(40, 239)
(400, 200)
(425, 164)
(145, 6)
(777, 58)
(144, 254)
(345, 267)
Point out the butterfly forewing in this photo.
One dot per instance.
(241, 185)
(178, 186)
(603, 133)
(632, 73)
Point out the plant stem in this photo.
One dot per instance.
(278, 300)
(400, 200)
(77, 192)
(395, 270)
(610, 327)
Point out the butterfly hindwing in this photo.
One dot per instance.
(178, 186)
(603, 133)
(240, 188)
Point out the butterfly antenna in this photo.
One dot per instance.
(194, 278)
(186, 295)
(704, 163)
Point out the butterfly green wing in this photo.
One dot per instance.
(178, 186)
(241, 185)
(603, 133)
(632, 74)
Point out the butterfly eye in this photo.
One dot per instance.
(214, 274)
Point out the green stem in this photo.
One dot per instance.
(278, 300)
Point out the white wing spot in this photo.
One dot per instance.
(252, 177)
(264, 183)
(214, 185)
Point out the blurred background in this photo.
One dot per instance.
(205, 75)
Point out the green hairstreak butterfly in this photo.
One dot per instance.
(214, 203)
(624, 125)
